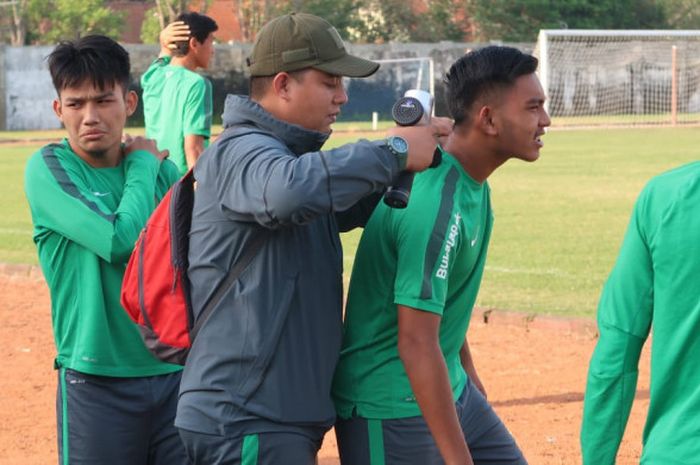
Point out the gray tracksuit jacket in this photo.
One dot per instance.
(264, 360)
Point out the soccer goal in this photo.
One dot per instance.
(620, 77)
(378, 93)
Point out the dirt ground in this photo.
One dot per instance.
(533, 369)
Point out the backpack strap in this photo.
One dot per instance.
(253, 249)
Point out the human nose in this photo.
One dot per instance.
(91, 114)
(341, 96)
(545, 120)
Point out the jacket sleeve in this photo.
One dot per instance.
(358, 215)
(61, 201)
(624, 319)
(269, 185)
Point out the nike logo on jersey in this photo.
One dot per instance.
(101, 194)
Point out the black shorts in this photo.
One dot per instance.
(107, 420)
(408, 441)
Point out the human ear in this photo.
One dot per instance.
(193, 44)
(485, 121)
(280, 84)
(131, 99)
(58, 109)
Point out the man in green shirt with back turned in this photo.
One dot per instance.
(177, 102)
(655, 283)
(90, 196)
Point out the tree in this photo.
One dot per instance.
(18, 28)
(520, 21)
(168, 10)
(340, 13)
(165, 12)
(15, 19)
(682, 14)
(443, 20)
(415, 21)
(47, 21)
(71, 19)
(252, 15)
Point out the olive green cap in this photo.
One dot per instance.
(300, 40)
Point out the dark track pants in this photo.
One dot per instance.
(105, 420)
(253, 449)
(407, 441)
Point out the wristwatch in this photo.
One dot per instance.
(399, 147)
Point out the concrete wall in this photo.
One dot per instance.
(3, 119)
(26, 91)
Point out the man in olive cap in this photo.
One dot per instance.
(265, 248)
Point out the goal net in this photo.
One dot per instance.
(620, 77)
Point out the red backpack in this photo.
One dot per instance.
(155, 290)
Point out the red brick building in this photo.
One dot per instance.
(136, 10)
(223, 12)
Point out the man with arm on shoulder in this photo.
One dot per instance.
(90, 196)
(256, 387)
(177, 101)
(406, 389)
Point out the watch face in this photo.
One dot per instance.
(399, 144)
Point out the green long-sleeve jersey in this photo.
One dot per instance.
(86, 221)
(655, 283)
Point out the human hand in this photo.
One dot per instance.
(459, 457)
(422, 141)
(132, 144)
(445, 126)
(176, 31)
(462, 461)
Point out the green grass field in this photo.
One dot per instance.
(559, 221)
(30, 136)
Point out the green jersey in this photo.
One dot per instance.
(177, 102)
(429, 256)
(86, 221)
(655, 283)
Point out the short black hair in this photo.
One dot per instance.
(483, 71)
(200, 28)
(95, 58)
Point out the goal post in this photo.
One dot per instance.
(620, 77)
(376, 94)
